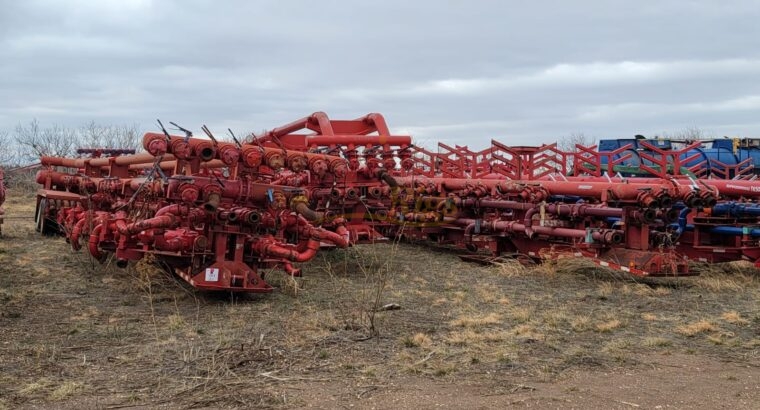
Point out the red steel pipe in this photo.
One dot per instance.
(645, 194)
(606, 236)
(269, 248)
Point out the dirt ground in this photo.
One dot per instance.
(74, 334)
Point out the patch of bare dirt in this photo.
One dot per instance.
(665, 381)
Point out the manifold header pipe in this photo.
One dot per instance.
(251, 156)
(605, 236)
(183, 148)
(534, 191)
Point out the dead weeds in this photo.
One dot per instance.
(74, 330)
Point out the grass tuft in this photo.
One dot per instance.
(608, 326)
(734, 317)
(695, 328)
(418, 340)
(66, 390)
(477, 321)
(655, 341)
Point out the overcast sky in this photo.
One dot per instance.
(456, 71)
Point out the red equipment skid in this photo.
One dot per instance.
(216, 230)
(219, 213)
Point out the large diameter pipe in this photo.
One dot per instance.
(607, 236)
(734, 189)
(181, 147)
(721, 230)
(271, 249)
(735, 231)
(735, 209)
(169, 165)
(353, 132)
(358, 140)
(648, 195)
(695, 193)
(553, 208)
(63, 162)
(157, 222)
(319, 119)
(141, 158)
(250, 155)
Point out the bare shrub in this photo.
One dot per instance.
(29, 141)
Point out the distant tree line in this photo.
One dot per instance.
(27, 142)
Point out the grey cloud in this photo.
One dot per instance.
(458, 71)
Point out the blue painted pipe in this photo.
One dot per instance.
(736, 209)
(681, 225)
(735, 231)
(720, 230)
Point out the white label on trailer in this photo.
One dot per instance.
(212, 274)
(718, 250)
(585, 186)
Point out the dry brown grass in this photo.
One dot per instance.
(510, 268)
(655, 341)
(608, 326)
(695, 328)
(487, 294)
(556, 318)
(650, 317)
(472, 338)
(581, 266)
(66, 390)
(727, 277)
(605, 289)
(752, 344)
(734, 317)
(581, 324)
(526, 331)
(35, 387)
(505, 320)
(520, 314)
(477, 321)
(662, 291)
(617, 345)
(418, 340)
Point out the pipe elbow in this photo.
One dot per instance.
(311, 251)
(94, 241)
(468, 230)
(212, 201)
(121, 227)
(75, 234)
(335, 238)
(386, 177)
(302, 208)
